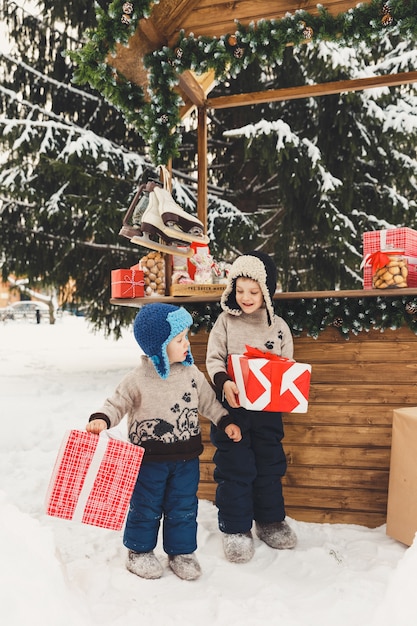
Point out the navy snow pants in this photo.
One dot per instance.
(168, 490)
(248, 473)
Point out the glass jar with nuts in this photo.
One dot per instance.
(389, 269)
(153, 267)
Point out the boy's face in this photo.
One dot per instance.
(177, 348)
(248, 295)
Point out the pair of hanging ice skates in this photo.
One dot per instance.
(154, 220)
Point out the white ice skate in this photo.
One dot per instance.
(131, 222)
(178, 224)
(153, 226)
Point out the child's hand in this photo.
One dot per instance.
(233, 432)
(96, 426)
(231, 393)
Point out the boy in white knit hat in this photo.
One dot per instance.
(162, 398)
(249, 474)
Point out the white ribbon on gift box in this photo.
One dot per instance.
(287, 383)
(411, 260)
(91, 475)
(255, 365)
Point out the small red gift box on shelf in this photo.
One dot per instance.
(268, 382)
(404, 239)
(127, 283)
(93, 479)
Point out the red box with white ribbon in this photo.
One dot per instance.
(403, 239)
(127, 283)
(93, 479)
(268, 382)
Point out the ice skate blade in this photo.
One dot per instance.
(160, 247)
(175, 233)
(130, 231)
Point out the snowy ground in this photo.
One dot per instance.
(59, 573)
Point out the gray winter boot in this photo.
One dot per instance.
(238, 547)
(144, 564)
(277, 535)
(185, 566)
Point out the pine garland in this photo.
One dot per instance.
(350, 316)
(265, 42)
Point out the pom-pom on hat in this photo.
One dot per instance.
(154, 327)
(257, 266)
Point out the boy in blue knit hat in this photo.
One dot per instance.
(162, 398)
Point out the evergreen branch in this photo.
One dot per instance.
(70, 127)
(28, 123)
(350, 316)
(92, 245)
(46, 79)
(13, 7)
(16, 97)
(264, 42)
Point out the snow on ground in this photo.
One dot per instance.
(59, 573)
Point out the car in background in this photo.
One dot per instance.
(25, 309)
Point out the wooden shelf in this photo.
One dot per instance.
(138, 302)
(290, 295)
(349, 293)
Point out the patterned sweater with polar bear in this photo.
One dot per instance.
(163, 415)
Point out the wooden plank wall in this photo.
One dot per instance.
(339, 452)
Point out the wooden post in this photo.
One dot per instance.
(168, 257)
(202, 166)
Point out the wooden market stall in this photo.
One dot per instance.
(339, 451)
(216, 18)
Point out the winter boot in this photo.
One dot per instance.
(178, 223)
(185, 566)
(144, 564)
(276, 535)
(238, 547)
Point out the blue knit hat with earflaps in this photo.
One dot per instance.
(154, 327)
(257, 266)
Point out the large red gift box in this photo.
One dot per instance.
(268, 382)
(93, 479)
(127, 283)
(404, 239)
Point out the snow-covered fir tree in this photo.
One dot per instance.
(300, 179)
(70, 165)
(318, 172)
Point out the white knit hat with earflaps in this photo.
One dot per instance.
(257, 266)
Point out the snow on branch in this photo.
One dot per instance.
(278, 127)
(47, 79)
(85, 141)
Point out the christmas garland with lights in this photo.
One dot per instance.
(350, 316)
(264, 41)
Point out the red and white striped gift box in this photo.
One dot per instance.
(93, 479)
(268, 382)
(404, 239)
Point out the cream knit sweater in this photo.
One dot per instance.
(163, 415)
(231, 334)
